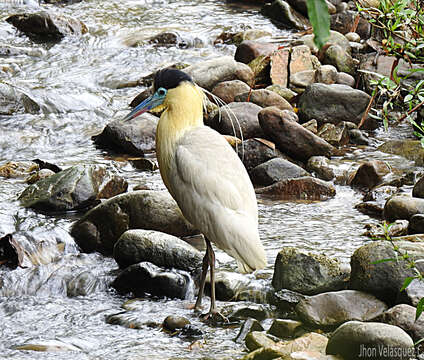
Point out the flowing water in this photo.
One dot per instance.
(64, 299)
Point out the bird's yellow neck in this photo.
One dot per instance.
(183, 111)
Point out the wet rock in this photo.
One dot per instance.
(101, 227)
(282, 13)
(14, 100)
(227, 90)
(161, 249)
(384, 279)
(167, 38)
(403, 207)
(397, 228)
(146, 278)
(416, 224)
(285, 300)
(300, 80)
(418, 190)
(345, 79)
(9, 50)
(311, 125)
(264, 98)
(247, 116)
(327, 74)
(303, 188)
(248, 327)
(335, 38)
(307, 273)
(335, 55)
(291, 137)
(282, 91)
(354, 338)
(207, 74)
(255, 311)
(344, 21)
(14, 169)
(136, 136)
(144, 164)
(332, 103)
(358, 137)
(370, 208)
(409, 149)
(279, 67)
(191, 332)
(381, 193)
(403, 316)
(238, 38)
(175, 322)
(250, 50)
(45, 25)
(275, 170)
(71, 189)
(9, 252)
(334, 308)
(56, 346)
(258, 339)
(308, 342)
(336, 135)
(370, 174)
(128, 319)
(285, 328)
(42, 174)
(256, 151)
(320, 166)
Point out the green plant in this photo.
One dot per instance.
(320, 20)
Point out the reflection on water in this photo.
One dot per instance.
(67, 298)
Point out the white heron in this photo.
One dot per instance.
(204, 175)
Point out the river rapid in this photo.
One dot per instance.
(64, 299)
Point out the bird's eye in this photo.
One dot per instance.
(161, 92)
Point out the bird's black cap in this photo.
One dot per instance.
(170, 78)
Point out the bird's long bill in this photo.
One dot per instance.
(146, 105)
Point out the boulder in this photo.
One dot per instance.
(135, 246)
(264, 98)
(256, 151)
(47, 25)
(100, 228)
(320, 166)
(409, 149)
(77, 187)
(207, 74)
(331, 309)
(281, 12)
(370, 174)
(300, 80)
(332, 103)
(307, 273)
(354, 340)
(275, 170)
(384, 279)
(335, 55)
(228, 90)
(291, 137)
(285, 328)
(403, 316)
(303, 188)
(146, 278)
(402, 207)
(250, 50)
(135, 137)
(246, 114)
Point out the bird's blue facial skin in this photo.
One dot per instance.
(150, 103)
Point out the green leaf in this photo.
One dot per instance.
(320, 20)
(420, 308)
(406, 283)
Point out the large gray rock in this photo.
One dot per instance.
(384, 279)
(334, 308)
(246, 114)
(281, 12)
(307, 274)
(403, 207)
(146, 278)
(161, 249)
(355, 340)
(275, 170)
(332, 103)
(101, 227)
(291, 137)
(403, 315)
(46, 25)
(136, 136)
(256, 151)
(207, 74)
(75, 188)
(335, 55)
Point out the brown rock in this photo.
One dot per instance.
(336, 135)
(227, 90)
(279, 67)
(370, 174)
(264, 98)
(249, 50)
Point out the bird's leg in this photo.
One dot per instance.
(205, 266)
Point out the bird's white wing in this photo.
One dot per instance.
(214, 192)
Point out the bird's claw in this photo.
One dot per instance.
(214, 316)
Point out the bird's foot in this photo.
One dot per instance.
(214, 316)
